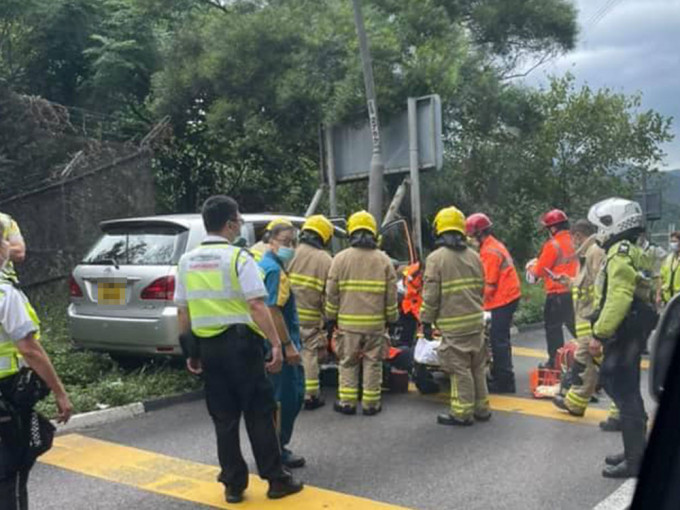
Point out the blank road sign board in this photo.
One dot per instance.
(352, 144)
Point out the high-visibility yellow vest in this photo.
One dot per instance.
(213, 291)
(10, 358)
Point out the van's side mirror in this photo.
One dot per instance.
(665, 338)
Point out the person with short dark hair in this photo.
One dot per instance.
(223, 320)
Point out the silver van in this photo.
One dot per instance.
(121, 293)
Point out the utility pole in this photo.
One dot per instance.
(375, 176)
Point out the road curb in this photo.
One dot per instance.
(114, 414)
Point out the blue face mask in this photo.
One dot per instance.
(285, 254)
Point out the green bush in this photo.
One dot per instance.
(530, 308)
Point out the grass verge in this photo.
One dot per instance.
(95, 380)
(531, 305)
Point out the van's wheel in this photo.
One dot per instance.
(424, 380)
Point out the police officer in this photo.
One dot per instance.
(289, 387)
(19, 343)
(670, 272)
(220, 296)
(308, 274)
(361, 295)
(452, 299)
(584, 372)
(623, 319)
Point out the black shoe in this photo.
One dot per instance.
(314, 403)
(615, 460)
(611, 425)
(561, 404)
(292, 461)
(483, 417)
(625, 469)
(448, 419)
(344, 409)
(284, 487)
(371, 411)
(233, 495)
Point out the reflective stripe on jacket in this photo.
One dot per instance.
(21, 319)
(308, 272)
(501, 282)
(213, 291)
(453, 288)
(361, 292)
(670, 277)
(557, 257)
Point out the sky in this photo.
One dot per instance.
(628, 46)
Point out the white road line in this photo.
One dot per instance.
(621, 498)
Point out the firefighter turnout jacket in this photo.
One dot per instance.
(361, 292)
(583, 289)
(501, 282)
(557, 258)
(453, 291)
(308, 272)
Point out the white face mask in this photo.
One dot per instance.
(675, 246)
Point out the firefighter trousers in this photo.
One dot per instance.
(313, 342)
(583, 377)
(464, 359)
(357, 351)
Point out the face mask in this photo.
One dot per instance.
(285, 254)
(675, 247)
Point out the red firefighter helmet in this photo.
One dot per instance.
(477, 223)
(554, 217)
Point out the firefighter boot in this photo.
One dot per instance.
(448, 419)
(560, 403)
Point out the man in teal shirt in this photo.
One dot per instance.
(289, 387)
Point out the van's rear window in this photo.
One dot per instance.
(149, 245)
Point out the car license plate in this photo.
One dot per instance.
(111, 292)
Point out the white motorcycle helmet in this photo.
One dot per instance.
(615, 216)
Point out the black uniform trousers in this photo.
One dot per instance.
(13, 486)
(620, 376)
(558, 311)
(236, 384)
(501, 349)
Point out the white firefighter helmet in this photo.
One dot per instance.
(615, 216)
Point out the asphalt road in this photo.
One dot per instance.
(400, 457)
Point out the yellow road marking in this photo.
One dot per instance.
(527, 352)
(183, 479)
(542, 408)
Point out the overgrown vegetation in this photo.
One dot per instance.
(95, 380)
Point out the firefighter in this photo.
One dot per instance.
(584, 372)
(453, 291)
(623, 319)
(502, 292)
(670, 276)
(262, 246)
(308, 274)
(556, 261)
(411, 303)
(361, 296)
